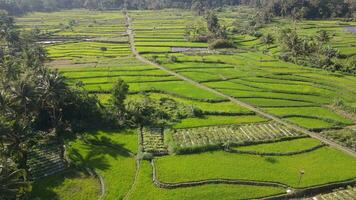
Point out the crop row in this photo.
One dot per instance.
(341, 194)
(231, 134)
(153, 141)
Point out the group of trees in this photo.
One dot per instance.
(313, 50)
(293, 8)
(35, 103)
(307, 8)
(212, 32)
(23, 6)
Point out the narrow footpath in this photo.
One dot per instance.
(232, 99)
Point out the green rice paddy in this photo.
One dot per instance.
(94, 50)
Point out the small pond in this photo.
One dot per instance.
(184, 49)
(351, 29)
(50, 42)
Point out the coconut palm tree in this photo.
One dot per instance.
(13, 183)
(23, 94)
(52, 88)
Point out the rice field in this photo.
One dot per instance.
(280, 88)
(91, 48)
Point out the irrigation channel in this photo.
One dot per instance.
(130, 32)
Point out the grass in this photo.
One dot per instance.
(322, 166)
(207, 107)
(145, 190)
(310, 123)
(317, 112)
(109, 157)
(282, 147)
(219, 120)
(67, 185)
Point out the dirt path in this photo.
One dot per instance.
(232, 99)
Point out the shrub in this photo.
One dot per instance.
(256, 34)
(173, 59)
(221, 44)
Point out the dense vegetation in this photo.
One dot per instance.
(295, 8)
(38, 105)
(307, 9)
(72, 77)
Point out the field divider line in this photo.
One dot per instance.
(291, 153)
(232, 99)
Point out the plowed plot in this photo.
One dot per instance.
(195, 137)
(348, 194)
(153, 141)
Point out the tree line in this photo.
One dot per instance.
(17, 7)
(294, 8)
(308, 9)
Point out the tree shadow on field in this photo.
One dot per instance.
(271, 160)
(95, 152)
(91, 160)
(106, 145)
(44, 188)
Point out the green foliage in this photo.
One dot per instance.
(13, 181)
(268, 39)
(310, 50)
(158, 113)
(346, 137)
(118, 96)
(221, 44)
(215, 29)
(196, 32)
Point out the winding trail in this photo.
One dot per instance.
(232, 99)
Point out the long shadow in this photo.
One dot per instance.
(43, 189)
(97, 148)
(91, 160)
(107, 146)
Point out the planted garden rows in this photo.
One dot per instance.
(202, 136)
(153, 139)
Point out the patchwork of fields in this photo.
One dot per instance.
(294, 93)
(92, 49)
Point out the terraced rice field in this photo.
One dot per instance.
(280, 169)
(93, 51)
(283, 89)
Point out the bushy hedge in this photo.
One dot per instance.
(221, 44)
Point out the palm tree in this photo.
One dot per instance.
(52, 88)
(22, 94)
(13, 183)
(323, 37)
(268, 39)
